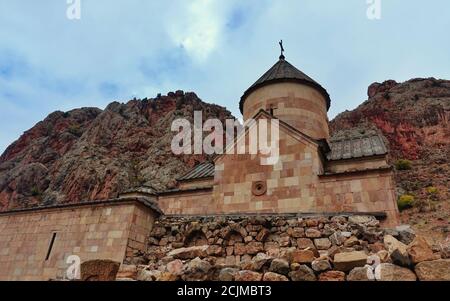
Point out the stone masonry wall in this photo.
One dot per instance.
(109, 231)
(295, 184)
(189, 203)
(283, 248)
(300, 106)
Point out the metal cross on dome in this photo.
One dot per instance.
(282, 50)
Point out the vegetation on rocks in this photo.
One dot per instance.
(405, 201)
(403, 164)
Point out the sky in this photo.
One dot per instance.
(118, 50)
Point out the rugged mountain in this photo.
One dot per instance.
(89, 154)
(414, 116)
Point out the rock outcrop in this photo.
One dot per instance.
(92, 154)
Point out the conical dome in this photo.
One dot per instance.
(283, 71)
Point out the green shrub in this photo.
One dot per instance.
(432, 190)
(405, 201)
(433, 193)
(403, 164)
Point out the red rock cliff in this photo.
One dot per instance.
(90, 154)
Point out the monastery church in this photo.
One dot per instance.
(316, 175)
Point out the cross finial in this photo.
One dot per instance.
(282, 50)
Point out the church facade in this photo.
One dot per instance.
(316, 173)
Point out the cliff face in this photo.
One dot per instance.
(414, 116)
(90, 154)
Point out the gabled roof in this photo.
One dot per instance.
(321, 144)
(353, 144)
(283, 71)
(201, 171)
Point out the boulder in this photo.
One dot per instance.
(254, 248)
(298, 232)
(322, 243)
(313, 233)
(361, 219)
(284, 241)
(189, 253)
(376, 247)
(332, 276)
(384, 256)
(248, 276)
(321, 265)
(196, 270)
(272, 248)
(227, 274)
(302, 273)
(397, 251)
(214, 250)
(295, 266)
(313, 222)
(436, 270)
(361, 274)
(419, 250)
(337, 238)
(144, 275)
(238, 249)
(305, 243)
(260, 260)
(99, 270)
(279, 266)
(339, 219)
(274, 277)
(405, 234)
(390, 272)
(351, 242)
(370, 235)
(347, 261)
(302, 256)
(175, 267)
(262, 235)
(167, 277)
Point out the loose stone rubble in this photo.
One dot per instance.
(285, 248)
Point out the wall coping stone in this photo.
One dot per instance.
(118, 201)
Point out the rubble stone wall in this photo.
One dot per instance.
(283, 248)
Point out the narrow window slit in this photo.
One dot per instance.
(50, 247)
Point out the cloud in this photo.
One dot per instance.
(199, 26)
(216, 48)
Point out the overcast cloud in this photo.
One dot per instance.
(138, 48)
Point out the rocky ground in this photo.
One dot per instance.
(286, 248)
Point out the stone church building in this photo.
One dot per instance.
(316, 175)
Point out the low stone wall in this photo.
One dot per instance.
(283, 248)
(36, 243)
